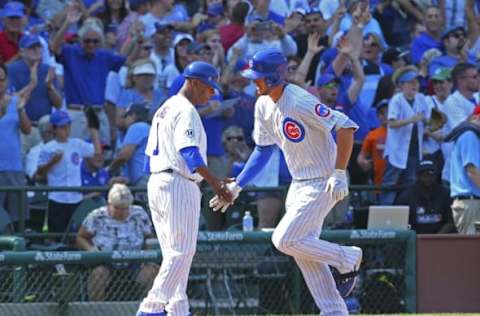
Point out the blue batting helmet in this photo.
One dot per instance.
(202, 71)
(269, 64)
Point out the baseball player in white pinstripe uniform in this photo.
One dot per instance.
(294, 120)
(177, 151)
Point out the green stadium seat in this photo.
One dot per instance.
(5, 222)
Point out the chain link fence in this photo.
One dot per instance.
(232, 273)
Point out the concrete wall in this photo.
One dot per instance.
(448, 273)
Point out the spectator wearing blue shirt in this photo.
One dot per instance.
(465, 177)
(13, 121)
(234, 85)
(132, 153)
(455, 50)
(86, 68)
(431, 38)
(94, 173)
(346, 66)
(139, 90)
(29, 75)
(373, 68)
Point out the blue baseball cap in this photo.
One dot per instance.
(407, 76)
(59, 118)
(159, 26)
(13, 9)
(29, 40)
(204, 72)
(326, 79)
(453, 29)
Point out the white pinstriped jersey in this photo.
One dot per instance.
(301, 126)
(175, 125)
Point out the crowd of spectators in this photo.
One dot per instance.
(407, 71)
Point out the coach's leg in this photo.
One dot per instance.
(322, 287)
(175, 205)
(298, 232)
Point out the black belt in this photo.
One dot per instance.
(467, 197)
(80, 107)
(172, 171)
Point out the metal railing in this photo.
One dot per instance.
(232, 273)
(207, 193)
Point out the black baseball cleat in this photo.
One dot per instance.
(346, 281)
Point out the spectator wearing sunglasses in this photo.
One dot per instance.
(455, 50)
(373, 68)
(86, 67)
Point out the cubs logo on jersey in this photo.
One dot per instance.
(293, 130)
(75, 158)
(322, 110)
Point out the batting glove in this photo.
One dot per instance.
(219, 204)
(337, 185)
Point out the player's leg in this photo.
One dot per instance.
(298, 231)
(322, 286)
(175, 206)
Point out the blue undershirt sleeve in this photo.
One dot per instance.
(192, 158)
(257, 160)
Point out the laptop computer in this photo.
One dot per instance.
(388, 217)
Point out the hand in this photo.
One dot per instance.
(278, 30)
(22, 101)
(292, 22)
(222, 191)
(199, 18)
(345, 47)
(337, 185)
(73, 14)
(340, 13)
(56, 157)
(312, 41)
(364, 163)
(417, 118)
(214, 105)
(217, 203)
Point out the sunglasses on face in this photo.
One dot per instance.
(458, 35)
(147, 47)
(373, 44)
(292, 68)
(329, 85)
(438, 81)
(237, 138)
(91, 41)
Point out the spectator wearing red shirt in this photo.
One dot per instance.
(232, 31)
(13, 14)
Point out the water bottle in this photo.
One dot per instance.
(348, 218)
(247, 222)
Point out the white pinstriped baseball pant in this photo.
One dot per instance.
(175, 205)
(297, 235)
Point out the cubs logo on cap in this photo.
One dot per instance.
(293, 130)
(322, 110)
